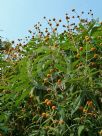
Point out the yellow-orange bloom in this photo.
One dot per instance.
(89, 103)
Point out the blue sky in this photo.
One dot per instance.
(17, 16)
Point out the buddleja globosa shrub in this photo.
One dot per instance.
(51, 84)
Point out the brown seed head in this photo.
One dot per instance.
(48, 75)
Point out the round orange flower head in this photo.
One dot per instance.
(49, 103)
(53, 107)
(81, 48)
(48, 75)
(59, 81)
(93, 49)
(92, 64)
(61, 121)
(95, 56)
(87, 38)
(43, 115)
(89, 103)
(46, 100)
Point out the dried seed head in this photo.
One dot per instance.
(29, 31)
(46, 30)
(67, 17)
(12, 42)
(64, 26)
(82, 12)
(73, 10)
(48, 34)
(60, 20)
(50, 24)
(54, 19)
(57, 24)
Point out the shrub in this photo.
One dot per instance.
(51, 86)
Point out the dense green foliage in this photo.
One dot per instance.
(52, 86)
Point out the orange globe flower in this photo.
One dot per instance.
(89, 103)
(81, 48)
(93, 49)
(59, 81)
(46, 100)
(49, 103)
(48, 75)
(61, 122)
(53, 107)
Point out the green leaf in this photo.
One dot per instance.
(60, 67)
(76, 105)
(72, 134)
(80, 129)
(25, 93)
(94, 30)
